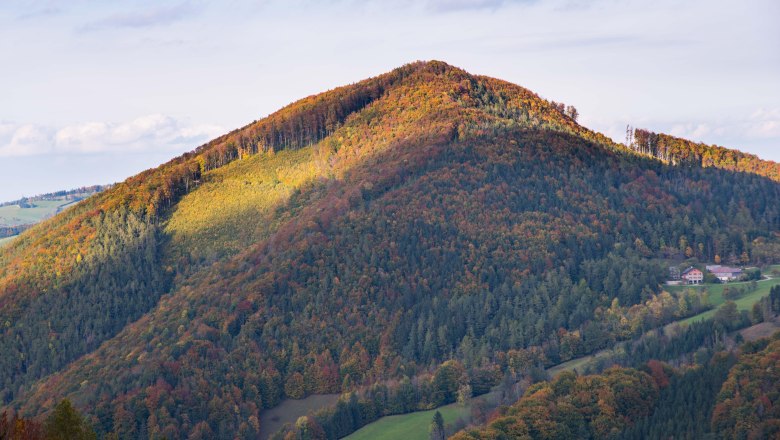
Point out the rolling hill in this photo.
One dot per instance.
(19, 215)
(426, 224)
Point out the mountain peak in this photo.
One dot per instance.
(354, 237)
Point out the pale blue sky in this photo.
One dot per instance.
(93, 91)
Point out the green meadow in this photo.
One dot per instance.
(14, 215)
(412, 426)
(715, 292)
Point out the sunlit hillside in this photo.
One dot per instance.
(414, 233)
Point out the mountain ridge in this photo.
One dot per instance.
(369, 208)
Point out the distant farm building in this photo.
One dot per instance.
(725, 273)
(692, 275)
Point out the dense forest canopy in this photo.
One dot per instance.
(364, 236)
(585, 407)
(722, 394)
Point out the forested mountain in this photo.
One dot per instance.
(423, 221)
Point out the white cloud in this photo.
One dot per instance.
(24, 140)
(761, 124)
(145, 127)
(154, 132)
(693, 130)
(764, 123)
(6, 131)
(81, 138)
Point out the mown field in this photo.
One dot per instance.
(412, 426)
(13, 215)
(716, 298)
(415, 425)
(715, 292)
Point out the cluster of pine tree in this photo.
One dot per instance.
(64, 423)
(120, 278)
(450, 382)
(748, 405)
(685, 403)
(452, 217)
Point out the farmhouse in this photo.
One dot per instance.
(725, 273)
(692, 275)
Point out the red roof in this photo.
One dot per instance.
(724, 270)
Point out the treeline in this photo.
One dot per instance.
(10, 231)
(684, 152)
(303, 123)
(451, 382)
(686, 400)
(694, 343)
(736, 292)
(768, 307)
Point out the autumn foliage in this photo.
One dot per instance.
(597, 406)
(368, 234)
(749, 401)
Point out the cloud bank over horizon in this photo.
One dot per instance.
(130, 84)
(154, 132)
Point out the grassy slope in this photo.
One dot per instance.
(578, 363)
(415, 425)
(13, 215)
(716, 297)
(412, 426)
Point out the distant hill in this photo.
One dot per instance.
(19, 215)
(414, 235)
